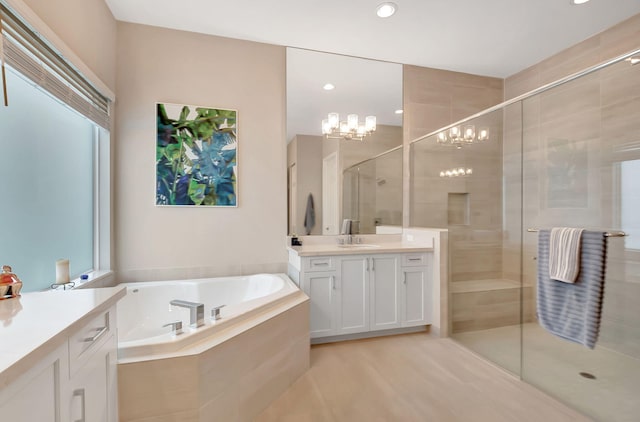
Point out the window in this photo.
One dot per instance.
(54, 167)
(47, 185)
(630, 202)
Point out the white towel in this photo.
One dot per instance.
(564, 254)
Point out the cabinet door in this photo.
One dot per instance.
(353, 295)
(321, 289)
(417, 295)
(34, 395)
(93, 388)
(385, 292)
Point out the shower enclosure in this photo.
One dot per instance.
(566, 154)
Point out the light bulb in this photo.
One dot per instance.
(469, 133)
(442, 174)
(334, 120)
(326, 129)
(370, 123)
(483, 135)
(352, 122)
(385, 10)
(454, 132)
(442, 137)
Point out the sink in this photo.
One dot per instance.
(359, 246)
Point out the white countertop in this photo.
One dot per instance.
(35, 324)
(335, 249)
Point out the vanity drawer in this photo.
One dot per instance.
(414, 259)
(89, 338)
(319, 263)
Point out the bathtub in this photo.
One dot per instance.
(144, 311)
(228, 369)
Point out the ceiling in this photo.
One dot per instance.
(485, 37)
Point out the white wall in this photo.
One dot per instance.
(161, 65)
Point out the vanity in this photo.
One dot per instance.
(58, 356)
(382, 286)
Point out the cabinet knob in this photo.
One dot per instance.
(333, 282)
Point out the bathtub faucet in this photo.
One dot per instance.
(196, 311)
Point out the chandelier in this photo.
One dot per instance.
(351, 129)
(458, 137)
(457, 172)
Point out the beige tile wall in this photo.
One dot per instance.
(598, 115)
(233, 381)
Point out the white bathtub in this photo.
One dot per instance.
(145, 309)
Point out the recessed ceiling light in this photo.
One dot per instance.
(578, 1)
(384, 10)
(328, 86)
(398, 111)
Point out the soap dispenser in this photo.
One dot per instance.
(10, 284)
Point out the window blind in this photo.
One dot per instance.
(26, 52)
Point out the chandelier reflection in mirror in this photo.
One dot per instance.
(458, 137)
(351, 129)
(456, 172)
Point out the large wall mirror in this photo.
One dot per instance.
(338, 169)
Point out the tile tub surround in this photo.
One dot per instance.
(234, 380)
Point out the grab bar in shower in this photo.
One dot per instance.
(607, 234)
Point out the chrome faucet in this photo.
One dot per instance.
(196, 311)
(176, 327)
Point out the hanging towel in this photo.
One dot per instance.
(572, 311)
(310, 215)
(564, 254)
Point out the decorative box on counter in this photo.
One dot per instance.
(10, 284)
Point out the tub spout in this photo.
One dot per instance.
(176, 327)
(215, 312)
(196, 311)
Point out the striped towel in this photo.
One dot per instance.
(572, 311)
(564, 254)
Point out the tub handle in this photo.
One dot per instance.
(175, 326)
(215, 312)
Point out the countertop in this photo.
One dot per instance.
(366, 249)
(35, 324)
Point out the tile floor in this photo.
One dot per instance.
(413, 377)
(554, 366)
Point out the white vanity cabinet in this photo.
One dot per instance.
(352, 289)
(92, 389)
(352, 294)
(318, 280)
(64, 368)
(417, 290)
(386, 291)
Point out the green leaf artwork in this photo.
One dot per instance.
(196, 160)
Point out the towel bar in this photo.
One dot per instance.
(607, 234)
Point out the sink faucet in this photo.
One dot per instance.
(196, 311)
(349, 239)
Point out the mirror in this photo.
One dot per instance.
(332, 177)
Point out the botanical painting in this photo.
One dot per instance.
(196, 161)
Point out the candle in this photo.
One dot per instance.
(62, 271)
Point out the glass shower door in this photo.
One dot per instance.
(582, 169)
